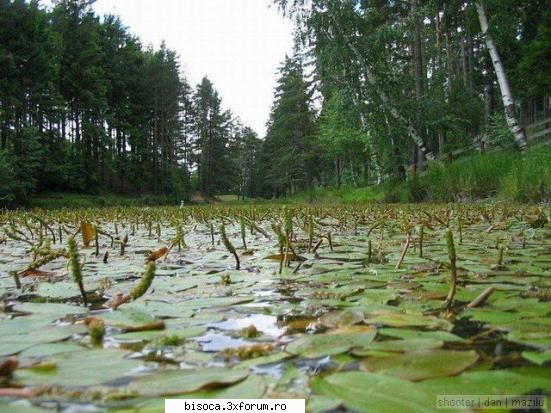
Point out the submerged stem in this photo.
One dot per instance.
(76, 268)
(229, 245)
(404, 251)
(451, 254)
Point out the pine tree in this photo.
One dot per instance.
(289, 151)
(212, 135)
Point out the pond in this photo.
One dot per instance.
(342, 305)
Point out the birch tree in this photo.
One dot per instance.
(506, 95)
(331, 10)
(372, 80)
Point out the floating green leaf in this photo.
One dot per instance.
(338, 341)
(406, 319)
(374, 393)
(422, 364)
(82, 368)
(169, 383)
(537, 357)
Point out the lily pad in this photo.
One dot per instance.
(22, 334)
(514, 381)
(338, 341)
(126, 317)
(253, 387)
(406, 319)
(414, 334)
(537, 357)
(401, 346)
(46, 350)
(374, 393)
(168, 383)
(181, 333)
(320, 404)
(341, 319)
(18, 407)
(531, 335)
(56, 309)
(82, 368)
(422, 364)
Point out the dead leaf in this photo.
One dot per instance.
(155, 255)
(7, 367)
(36, 273)
(15, 392)
(88, 233)
(280, 257)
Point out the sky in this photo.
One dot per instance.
(238, 44)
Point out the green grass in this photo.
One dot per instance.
(506, 175)
(530, 179)
(344, 194)
(476, 177)
(68, 200)
(228, 198)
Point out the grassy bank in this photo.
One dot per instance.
(68, 200)
(505, 175)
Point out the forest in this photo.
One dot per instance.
(384, 247)
(383, 86)
(85, 107)
(372, 89)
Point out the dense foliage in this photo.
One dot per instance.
(372, 87)
(289, 151)
(85, 107)
(396, 82)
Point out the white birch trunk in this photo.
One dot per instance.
(506, 96)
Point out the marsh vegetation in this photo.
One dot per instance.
(346, 306)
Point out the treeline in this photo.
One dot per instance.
(372, 86)
(377, 85)
(85, 107)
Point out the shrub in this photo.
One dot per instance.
(499, 133)
(416, 190)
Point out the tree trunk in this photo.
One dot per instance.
(470, 61)
(449, 63)
(464, 64)
(365, 169)
(338, 170)
(506, 96)
(419, 72)
(352, 172)
(441, 141)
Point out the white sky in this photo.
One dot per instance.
(238, 44)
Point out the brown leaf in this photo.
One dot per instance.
(36, 273)
(18, 393)
(88, 233)
(8, 366)
(155, 255)
(118, 300)
(157, 325)
(280, 257)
